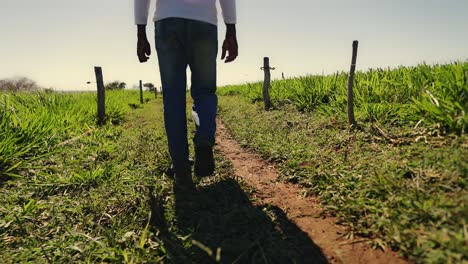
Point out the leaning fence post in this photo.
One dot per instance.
(266, 84)
(101, 96)
(141, 92)
(351, 119)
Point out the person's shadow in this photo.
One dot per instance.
(224, 226)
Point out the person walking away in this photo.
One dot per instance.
(186, 35)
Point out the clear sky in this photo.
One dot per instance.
(58, 42)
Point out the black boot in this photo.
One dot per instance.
(204, 160)
(171, 171)
(183, 180)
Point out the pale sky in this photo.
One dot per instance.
(58, 42)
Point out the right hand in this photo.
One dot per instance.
(230, 49)
(143, 49)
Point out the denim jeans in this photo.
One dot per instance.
(181, 43)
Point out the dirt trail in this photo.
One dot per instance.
(304, 212)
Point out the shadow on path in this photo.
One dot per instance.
(221, 217)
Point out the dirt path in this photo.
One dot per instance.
(304, 212)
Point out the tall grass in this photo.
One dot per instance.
(432, 94)
(33, 124)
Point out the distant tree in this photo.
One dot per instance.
(149, 86)
(116, 85)
(20, 84)
(49, 90)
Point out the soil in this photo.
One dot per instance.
(305, 212)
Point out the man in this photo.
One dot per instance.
(186, 35)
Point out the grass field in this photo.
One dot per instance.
(399, 179)
(407, 194)
(33, 124)
(75, 192)
(434, 95)
(104, 197)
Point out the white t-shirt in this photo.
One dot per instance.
(202, 10)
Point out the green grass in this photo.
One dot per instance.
(104, 197)
(399, 178)
(435, 95)
(405, 189)
(33, 124)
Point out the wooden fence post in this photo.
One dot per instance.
(266, 84)
(351, 119)
(155, 92)
(141, 92)
(101, 96)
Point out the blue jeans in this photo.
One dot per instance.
(181, 43)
